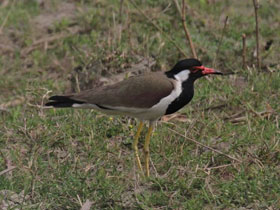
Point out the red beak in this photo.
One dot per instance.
(206, 71)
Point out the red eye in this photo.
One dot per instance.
(197, 68)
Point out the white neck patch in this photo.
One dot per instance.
(182, 75)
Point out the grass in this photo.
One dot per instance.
(64, 157)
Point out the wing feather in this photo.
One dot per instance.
(142, 91)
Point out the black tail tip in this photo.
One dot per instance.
(55, 104)
(59, 98)
(61, 102)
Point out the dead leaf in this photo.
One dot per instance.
(176, 117)
(87, 205)
(11, 200)
(236, 118)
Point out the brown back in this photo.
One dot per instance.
(141, 91)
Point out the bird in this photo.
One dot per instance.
(147, 97)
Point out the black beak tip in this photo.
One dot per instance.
(219, 73)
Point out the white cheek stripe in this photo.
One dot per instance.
(182, 75)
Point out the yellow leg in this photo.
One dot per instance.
(147, 149)
(135, 145)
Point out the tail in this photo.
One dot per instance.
(62, 102)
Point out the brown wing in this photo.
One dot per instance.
(139, 92)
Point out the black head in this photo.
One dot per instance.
(190, 68)
(185, 64)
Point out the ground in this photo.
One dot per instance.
(222, 151)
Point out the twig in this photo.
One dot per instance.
(256, 7)
(152, 164)
(182, 13)
(121, 11)
(220, 106)
(158, 28)
(220, 42)
(210, 148)
(186, 29)
(221, 166)
(79, 199)
(7, 170)
(243, 51)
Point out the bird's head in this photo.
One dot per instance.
(190, 69)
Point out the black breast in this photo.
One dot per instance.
(184, 98)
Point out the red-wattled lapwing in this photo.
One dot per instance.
(146, 97)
